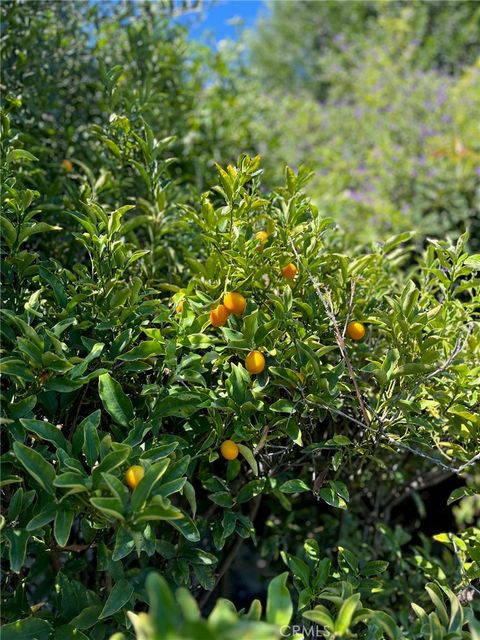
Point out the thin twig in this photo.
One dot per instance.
(396, 443)
(467, 464)
(263, 440)
(338, 335)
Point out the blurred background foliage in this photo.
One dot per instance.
(380, 99)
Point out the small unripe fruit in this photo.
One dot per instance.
(133, 476)
(255, 362)
(261, 236)
(289, 271)
(355, 330)
(219, 316)
(234, 302)
(229, 450)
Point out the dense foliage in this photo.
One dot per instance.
(148, 431)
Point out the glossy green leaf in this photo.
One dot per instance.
(36, 465)
(116, 403)
(279, 602)
(119, 596)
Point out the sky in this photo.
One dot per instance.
(217, 14)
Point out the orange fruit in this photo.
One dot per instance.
(219, 316)
(355, 330)
(67, 165)
(229, 450)
(234, 302)
(289, 271)
(255, 362)
(179, 307)
(133, 476)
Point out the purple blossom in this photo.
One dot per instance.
(441, 95)
(426, 132)
(358, 196)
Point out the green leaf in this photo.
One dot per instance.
(222, 498)
(189, 493)
(116, 403)
(74, 481)
(187, 528)
(249, 457)
(473, 262)
(81, 367)
(87, 618)
(250, 325)
(388, 625)
(68, 632)
(111, 507)
(124, 544)
(298, 567)
(142, 351)
(459, 493)
(345, 615)
(56, 285)
(8, 230)
(157, 453)
(374, 568)
(250, 490)
(294, 486)
(14, 155)
(111, 461)
(119, 596)
(17, 539)
(27, 629)
(320, 615)
(283, 406)
(279, 602)
(174, 486)
(46, 431)
(91, 440)
(163, 608)
(62, 525)
(188, 605)
(332, 498)
(16, 368)
(46, 515)
(36, 466)
(148, 483)
(158, 511)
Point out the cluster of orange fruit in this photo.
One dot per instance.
(235, 303)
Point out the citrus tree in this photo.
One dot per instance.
(194, 380)
(153, 420)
